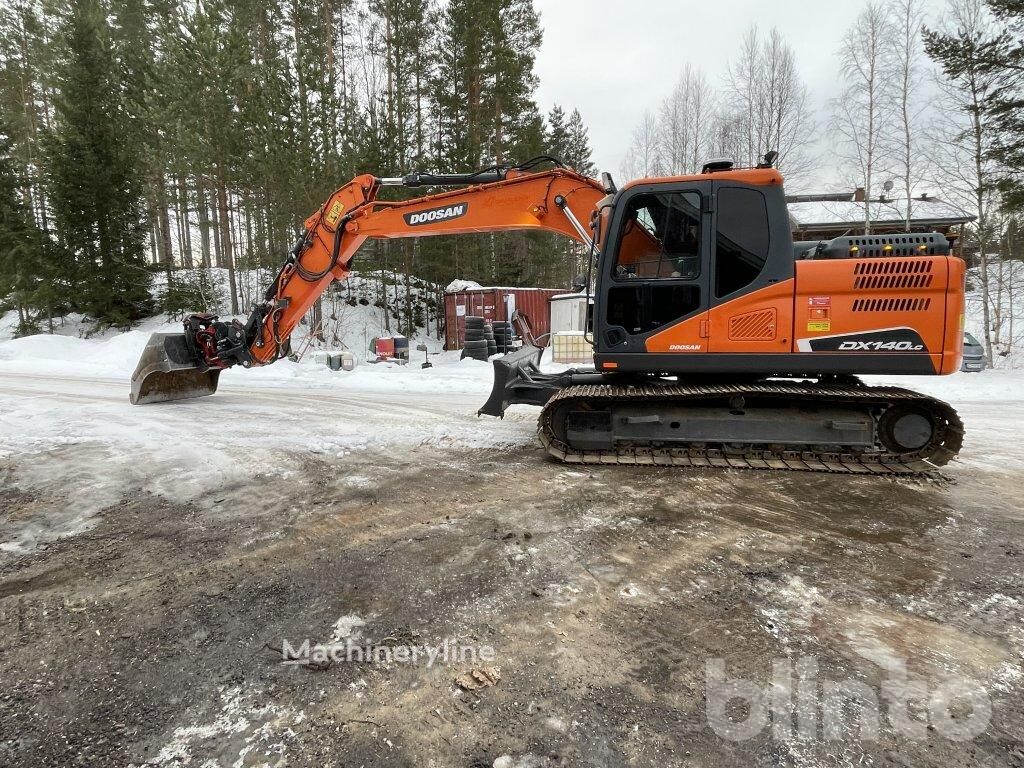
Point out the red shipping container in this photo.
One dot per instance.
(497, 304)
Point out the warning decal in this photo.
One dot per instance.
(335, 213)
(819, 325)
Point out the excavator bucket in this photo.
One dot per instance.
(513, 373)
(168, 371)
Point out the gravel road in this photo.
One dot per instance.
(155, 561)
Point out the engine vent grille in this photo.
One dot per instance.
(889, 274)
(875, 246)
(753, 326)
(891, 305)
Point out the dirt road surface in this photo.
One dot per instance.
(156, 560)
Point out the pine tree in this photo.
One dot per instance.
(1003, 56)
(26, 56)
(577, 152)
(556, 137)
(21, 243)
(95, 175)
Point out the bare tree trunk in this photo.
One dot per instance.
(439, 311)
(983, 222)
(410, 320)
(1014, 268)
(240, 252)
(318, 319)
(154, 236)
(186, 226)
(907, 20)
(384, 245)
(204, 222)
(224, 221)
(215, 222)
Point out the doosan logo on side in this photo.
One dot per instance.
(684, 347)
(436, 214)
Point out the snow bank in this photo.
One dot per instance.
(115, 356)
(990, 386)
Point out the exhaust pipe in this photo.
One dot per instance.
(168, 371)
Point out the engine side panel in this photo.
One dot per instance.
(874, 305)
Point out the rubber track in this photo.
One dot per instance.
(944, 446)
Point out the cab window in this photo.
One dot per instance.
(742, 240)
(660, 237)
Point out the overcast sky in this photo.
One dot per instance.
(612, 59)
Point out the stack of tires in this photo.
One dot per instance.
(476, 345)
(492, 345)
(504, 336)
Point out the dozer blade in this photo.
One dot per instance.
(514, 377)
(168, 371)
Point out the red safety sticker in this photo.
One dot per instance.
(819, 301)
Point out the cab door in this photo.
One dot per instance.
(655, 286)
(751, 274)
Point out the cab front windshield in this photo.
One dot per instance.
(661, 237)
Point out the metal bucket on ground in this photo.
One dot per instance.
(167, 371)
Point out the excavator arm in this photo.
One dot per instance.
(180, 366)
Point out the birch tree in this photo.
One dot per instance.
(863, 111)
(909, 159)
(684, 124)
(767, 105)
(966, 138)
(643, 156)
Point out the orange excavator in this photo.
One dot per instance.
(718, 341)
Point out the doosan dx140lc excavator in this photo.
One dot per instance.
(718, 341)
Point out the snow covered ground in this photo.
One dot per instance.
(66, 404)
(67, 422)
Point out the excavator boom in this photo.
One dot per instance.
(187, 365)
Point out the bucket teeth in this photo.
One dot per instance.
(168, 371)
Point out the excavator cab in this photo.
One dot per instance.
(677, 253)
